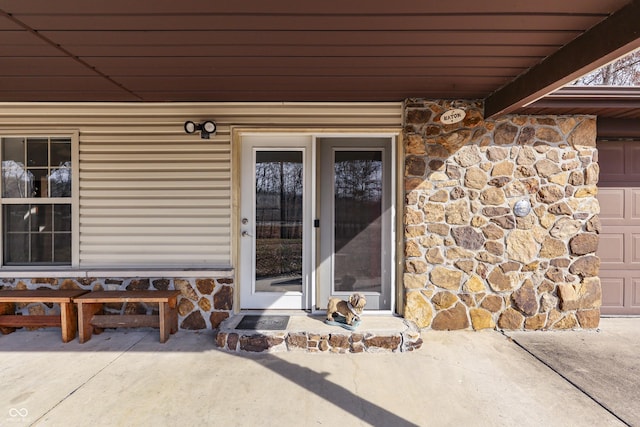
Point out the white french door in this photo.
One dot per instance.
(316, 221)
(276, 223)
(356, 243)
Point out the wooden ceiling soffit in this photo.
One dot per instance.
(611, 38)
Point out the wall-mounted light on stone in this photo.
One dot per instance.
(522, 207)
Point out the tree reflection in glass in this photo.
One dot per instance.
(358, 221)
(278, 220)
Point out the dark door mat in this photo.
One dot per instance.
(270, 323)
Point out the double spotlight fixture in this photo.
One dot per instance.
(205, 128)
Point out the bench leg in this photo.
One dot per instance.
(10, 309)
(174, 319)
(165, 321)
(68, 321)
(173, 309)
(85, 313)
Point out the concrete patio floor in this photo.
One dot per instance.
(126, 377)
(604, 364)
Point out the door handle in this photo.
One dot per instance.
(246, 234)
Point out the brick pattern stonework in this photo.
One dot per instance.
(469, 261)
(204, 302)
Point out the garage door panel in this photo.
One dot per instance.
(611, 250)
(612, 203)
(612, 161)
(635, 204)
(632, 155)
(619, 248)
(612, 291)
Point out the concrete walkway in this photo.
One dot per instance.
(127, 378)
(605, 364)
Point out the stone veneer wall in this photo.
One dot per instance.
(470, 262)
(204, 302)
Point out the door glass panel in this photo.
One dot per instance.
(278, 221)
(358, 221)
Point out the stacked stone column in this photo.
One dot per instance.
(470, 261)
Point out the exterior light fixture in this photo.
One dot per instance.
(522, 207)
(205, 128)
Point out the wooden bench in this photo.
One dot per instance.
(90, 305)
(66, 320)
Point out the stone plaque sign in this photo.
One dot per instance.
(453, 116)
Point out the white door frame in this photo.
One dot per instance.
(245, 273)
(249, 297)
(325, 264)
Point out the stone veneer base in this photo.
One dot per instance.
(204, 301)
(309, 334)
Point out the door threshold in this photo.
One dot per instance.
(365, 313)
(275, 311)
(300, 312)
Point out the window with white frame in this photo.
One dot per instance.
(36, 200)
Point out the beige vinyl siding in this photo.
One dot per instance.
(146, 203)
(152, 196)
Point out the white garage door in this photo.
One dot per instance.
(619, 248)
